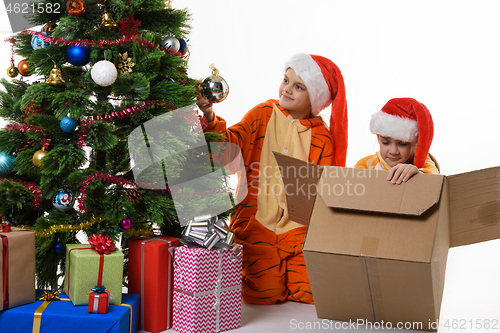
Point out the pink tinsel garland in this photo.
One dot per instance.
(102, 43)
(84, 126)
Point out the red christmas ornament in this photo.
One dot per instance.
(102, 244)
(129, 26)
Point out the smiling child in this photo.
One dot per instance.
(273, 263)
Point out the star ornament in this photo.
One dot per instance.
(125, 66)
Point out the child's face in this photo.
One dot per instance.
(395, 151)
(294, 95)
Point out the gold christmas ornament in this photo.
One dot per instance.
(107, 20)
(55, 78)
(37, 157)
(49, 27)
(23, 68)
(125, 66)
(12, 71)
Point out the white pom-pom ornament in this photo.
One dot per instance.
(104, 73)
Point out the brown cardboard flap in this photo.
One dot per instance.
(369, 190)
(474, 206)
(300, 180)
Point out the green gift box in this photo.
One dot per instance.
(85, 268)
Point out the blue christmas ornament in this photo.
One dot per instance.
(68, 124)
(63, 199)
(7, 163)
(38, 43)
(182, 48)
(59, 247)
(78, 55)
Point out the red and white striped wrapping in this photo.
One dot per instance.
(207, 290)
(99, 302)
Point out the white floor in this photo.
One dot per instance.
(471, 301)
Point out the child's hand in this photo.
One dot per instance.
(401, 173)
(204, 105)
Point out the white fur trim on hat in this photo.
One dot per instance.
(310, 72)
(395, 127)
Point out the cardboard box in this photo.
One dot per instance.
(81, 275)
(17, 268)
(63, 316)
(376, 251)
(207, 290)
(151, 275)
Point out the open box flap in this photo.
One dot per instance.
(300, 180)
(474, 206)
(369, 190)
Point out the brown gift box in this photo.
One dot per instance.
(17, 268)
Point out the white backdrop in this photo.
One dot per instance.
(445, 54)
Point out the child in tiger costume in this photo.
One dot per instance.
(404, 130)
(273, 264)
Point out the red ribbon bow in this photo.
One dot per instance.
(102, 244)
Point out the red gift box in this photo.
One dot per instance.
(151, 275)
(99, 302)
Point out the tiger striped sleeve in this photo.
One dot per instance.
(429, 167)
(368, 162)
(249, 130)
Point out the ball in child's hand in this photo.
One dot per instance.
(104, 73)
(215, 88)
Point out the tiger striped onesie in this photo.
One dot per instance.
(273, 264)
(376, 162)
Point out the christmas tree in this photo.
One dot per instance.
(105, 71)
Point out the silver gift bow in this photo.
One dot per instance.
(209, 231)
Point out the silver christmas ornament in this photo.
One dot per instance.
(214, 87)
(170, 43)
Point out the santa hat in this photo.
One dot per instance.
(325, 85)
(407, 120)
